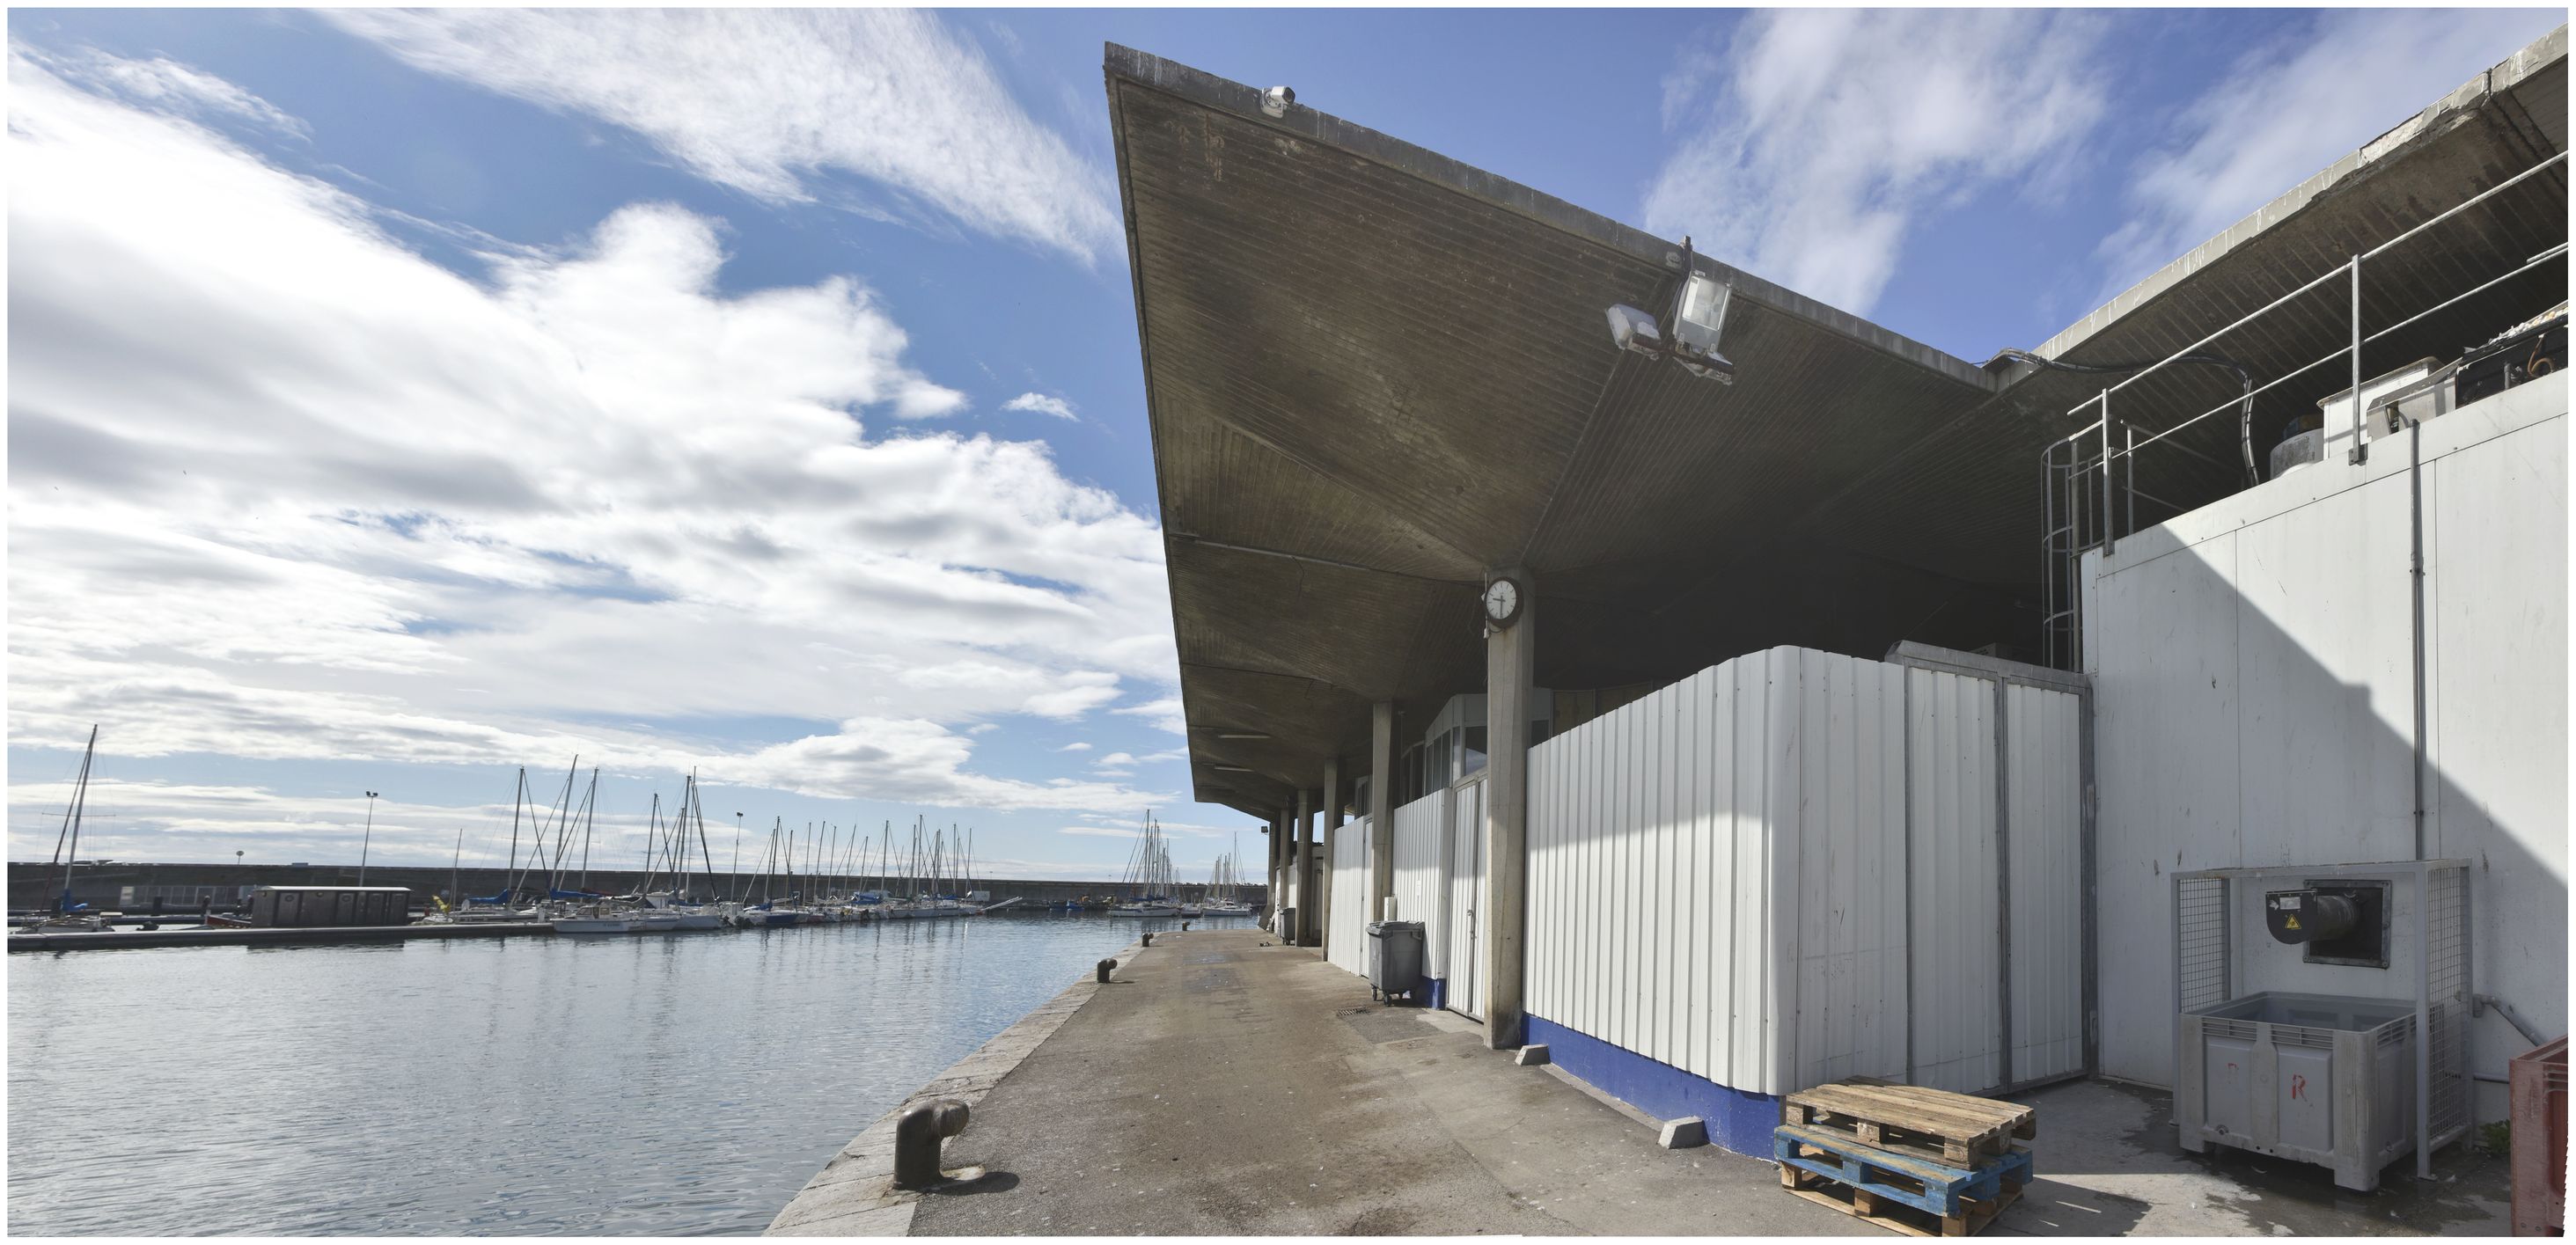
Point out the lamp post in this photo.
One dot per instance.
(368, 841)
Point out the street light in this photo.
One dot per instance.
(364, 843)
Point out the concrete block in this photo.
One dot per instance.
(1532, 1056)
(1686, 1133)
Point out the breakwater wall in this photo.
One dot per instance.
(31, 883)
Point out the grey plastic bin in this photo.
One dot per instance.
(1395, 958)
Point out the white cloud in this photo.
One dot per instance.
(282, 489)
(1076, 746)
(1115, 758)
(1165, 713)
(166, 85)
(770, 101)
(2293, 105)
(1809, 140)
(1042, 404)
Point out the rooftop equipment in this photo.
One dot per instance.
(2349, 1052)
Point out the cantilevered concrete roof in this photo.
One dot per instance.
(1966, 501)
(1374, 372)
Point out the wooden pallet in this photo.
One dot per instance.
(1959, 1128)
(1900, 1192)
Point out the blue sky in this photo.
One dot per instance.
(397, 399)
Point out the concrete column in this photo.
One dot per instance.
(1324, 863)
(1278, 853)
(1511, 685)
(1302, 864)
(1381, 811)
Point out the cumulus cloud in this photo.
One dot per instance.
(281, 488)
(1808, 141)
(1076, 746)
(772, 102)
(1042, 404)
(2294, 105)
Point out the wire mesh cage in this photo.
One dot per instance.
(2366, 1050)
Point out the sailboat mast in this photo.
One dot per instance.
(72, 823)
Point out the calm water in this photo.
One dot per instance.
(678, 1084)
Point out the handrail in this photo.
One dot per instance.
(2329, 275)
(2464, 205)
(2061, 544)
(2239, 400)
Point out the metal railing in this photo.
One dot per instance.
(2090, 475)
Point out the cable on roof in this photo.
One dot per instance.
(2245, 417)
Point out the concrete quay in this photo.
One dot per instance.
(1224, 1085)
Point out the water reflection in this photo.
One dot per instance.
(667, 1084)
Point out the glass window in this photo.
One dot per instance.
(1474, 761)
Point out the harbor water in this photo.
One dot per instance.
(661, 1084)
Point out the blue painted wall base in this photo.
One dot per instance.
(1436, 989)
(1739, 1120)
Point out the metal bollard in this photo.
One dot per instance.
(1149, 940)
(917, 1134)
(1100, 972)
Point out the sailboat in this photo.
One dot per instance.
(1149, 873)
(69, 917)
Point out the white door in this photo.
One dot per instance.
(1466, 895)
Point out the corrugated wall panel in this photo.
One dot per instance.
(1851, 934)
(1783, 870)
(2044, 829)
(1347, 947)
(1955, 905)
(1418, 827)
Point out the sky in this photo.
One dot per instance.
(399, 399)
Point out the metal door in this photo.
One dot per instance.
(1465, 870)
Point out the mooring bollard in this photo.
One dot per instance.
(917, 1134)
(1149, 940)
(1100, 972)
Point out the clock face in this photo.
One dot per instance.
(1502, 600)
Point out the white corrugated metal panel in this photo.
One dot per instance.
(2253, 688)
(1956, 912)
(1419, 888)
(1681, 863)
(2044, 823)
(1347, 947)
(1849, 744)
(1464, 868)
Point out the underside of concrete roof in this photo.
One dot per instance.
(1375, 374)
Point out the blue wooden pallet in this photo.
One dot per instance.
(1936, 1189)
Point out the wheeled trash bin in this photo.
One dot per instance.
(1395, 959)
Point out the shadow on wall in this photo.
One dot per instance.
(2254, 689)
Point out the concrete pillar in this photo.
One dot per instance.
(1381, 812)
(1324, 864)
(1510, 688)
(1304, 867)
(1281, 850)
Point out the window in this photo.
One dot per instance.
(1474, 760)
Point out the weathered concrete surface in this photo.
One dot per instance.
(2107, 1163)
(854, 1194)
(1225, 1085)
(1236, 1087)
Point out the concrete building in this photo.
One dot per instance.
(1762, 697)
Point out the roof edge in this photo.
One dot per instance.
(1208, 90)
(2549, 49)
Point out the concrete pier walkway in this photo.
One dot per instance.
(1223, 1085)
